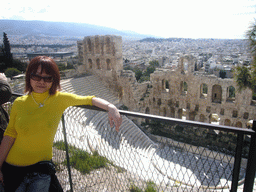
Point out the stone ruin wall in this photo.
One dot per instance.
(175, 101)
(102, 56)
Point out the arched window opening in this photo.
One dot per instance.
(98, 64)
(165, 85)
(246, 115)
(201, 118)
(108, 46)
(183, 88)
(227, 122)
(177, 104)
(159, 102)
(203, 91)
(208, 109)
(231, 93)
(192, 115)
(89, 45)
(235, 113)
(97, 45)
(172, 112)
(238, 124)
(90, 63)
(108, 64)
(216, 94)
(180, 113)
(165, 113)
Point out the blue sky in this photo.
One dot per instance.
(163, 18)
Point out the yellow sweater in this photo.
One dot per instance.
(34, 128)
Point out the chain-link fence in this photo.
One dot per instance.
(162, 154)
(138, 160)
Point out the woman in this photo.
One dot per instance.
(33, 123)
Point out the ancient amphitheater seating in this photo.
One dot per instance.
(130, 146)
(91, 85)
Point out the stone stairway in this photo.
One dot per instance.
(88, 85)
(91, 85)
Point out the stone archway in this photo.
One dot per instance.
(216, 94)
(98, 64)
(227, 122)
(238, 124)
(90, 63)
(203, 91)
(180, 113)
(172, 114)
(192, 116)
(108, 64)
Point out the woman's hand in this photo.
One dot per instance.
(114, 116)
(113, 113)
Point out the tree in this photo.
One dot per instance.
(245, 76)
(6, 59)
(7, 49)
(18, 65)
(152, 67)
(251, 36)
(6, 56)
(138, 74)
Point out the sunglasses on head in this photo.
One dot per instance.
(38, 78)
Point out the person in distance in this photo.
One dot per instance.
(5, 95)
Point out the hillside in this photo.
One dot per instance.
(22, 27)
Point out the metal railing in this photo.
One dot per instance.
(203, 157)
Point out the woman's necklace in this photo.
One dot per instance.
(40, 104)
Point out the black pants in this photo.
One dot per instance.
(13, 175)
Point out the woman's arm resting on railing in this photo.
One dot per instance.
(5, 147)
(113, 113)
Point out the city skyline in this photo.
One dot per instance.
(165, 19)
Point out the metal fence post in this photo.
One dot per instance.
(251, 163)
(67, 154)
(237, 163)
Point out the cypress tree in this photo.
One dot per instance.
(7, 50)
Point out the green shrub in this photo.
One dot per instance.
(10, 72)
(151, 187)
(82, 160)
(134, 188)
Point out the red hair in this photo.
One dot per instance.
(48, 66)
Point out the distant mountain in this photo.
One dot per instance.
(23, 27)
